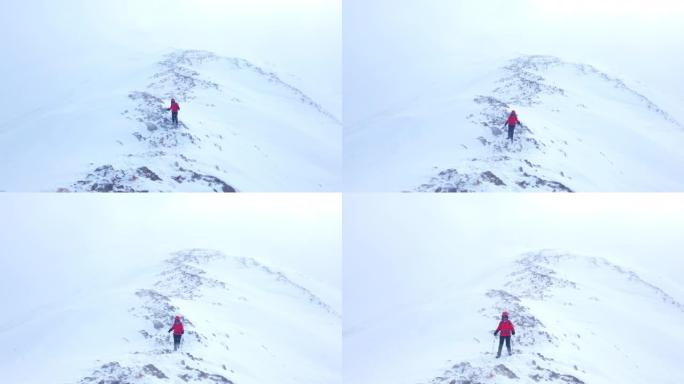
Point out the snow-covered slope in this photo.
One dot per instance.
(579, 319)
(584, 130)
(245, 323)
(241, 128)
(85, 83)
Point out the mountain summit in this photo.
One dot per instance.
(582, 130)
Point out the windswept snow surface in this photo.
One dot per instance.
(240, 128)
(90, 115)
(583, 130)
(427, 87)
(429, 288)
(576, 317)
(244, 323)
(91, 294)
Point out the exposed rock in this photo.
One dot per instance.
(213, 182)
(154, 371)
(145, 172)
(502, 370)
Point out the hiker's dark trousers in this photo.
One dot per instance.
(507, 339)
(511, 128)
(174, 117)
(177, 338)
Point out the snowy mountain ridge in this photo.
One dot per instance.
(558, 303)
(583, 130)
(242, 320)
(240, 128)
(249, 262)
(524, 86)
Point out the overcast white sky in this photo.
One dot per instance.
(394, 47)
(72, 241)
(400, 247)
(44, 41)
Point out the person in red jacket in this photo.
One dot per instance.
(174, 108)
(178, 331)
(512, 121)
(506, 328)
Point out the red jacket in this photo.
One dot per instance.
(505, 327)
(174, 107)
(177, 328)
(512, 119)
